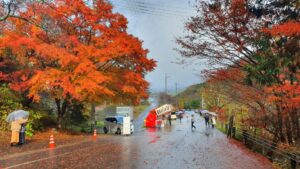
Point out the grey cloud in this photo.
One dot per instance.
(158, 33)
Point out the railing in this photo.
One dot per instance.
(265, 147)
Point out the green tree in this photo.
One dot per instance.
(195, 104)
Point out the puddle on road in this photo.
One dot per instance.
(153, 135)
(154, 140)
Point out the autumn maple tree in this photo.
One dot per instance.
(256, 44)
(70, 50)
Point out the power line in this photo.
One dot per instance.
(154, 8)
(155, 5)
(145, 12)
(149, 9)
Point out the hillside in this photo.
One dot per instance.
(190, 93)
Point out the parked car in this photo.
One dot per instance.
(173, 116)
(114, 125)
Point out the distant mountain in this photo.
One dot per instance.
(191, 93)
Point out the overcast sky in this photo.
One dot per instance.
(157, 23)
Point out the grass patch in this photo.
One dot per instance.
(221, 128)
(100, 124)
(137, 110)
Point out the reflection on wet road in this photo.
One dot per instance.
(172, 147)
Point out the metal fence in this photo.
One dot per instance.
(270, 149)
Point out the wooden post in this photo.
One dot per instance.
(230, 126)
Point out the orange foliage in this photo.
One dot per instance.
(70, 50)
(287, 94)
(291, 28)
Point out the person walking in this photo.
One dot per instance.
(206, 118)
(180, 116)
(16, 118)
(193, 122)
(22, 134)
(15, 129)
(213, 121)
(170, 120)
(187, 118)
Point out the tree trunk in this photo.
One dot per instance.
(289, 133)
(93, 116)
(296, 127)
(298, 134)
(59, 114)
(61, 110)
(27, 101)
(280, 123)
(230, 126)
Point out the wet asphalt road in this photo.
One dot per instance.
(172, 147)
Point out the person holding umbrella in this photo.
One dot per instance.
(17, 118)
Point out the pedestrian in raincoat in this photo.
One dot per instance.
(193, 122)
(15, 129)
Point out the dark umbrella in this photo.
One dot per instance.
(16, 115)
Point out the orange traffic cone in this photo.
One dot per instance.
(95, 134)
(51, 143)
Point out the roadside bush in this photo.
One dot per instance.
(34, 123)
(9, 102)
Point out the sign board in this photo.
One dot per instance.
(164, 109)
(125, 111)
(126, 126)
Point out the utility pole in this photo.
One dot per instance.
(166, 83)
(176, 99)
(166, 88)
(202, 101)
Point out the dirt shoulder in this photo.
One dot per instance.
(40, 141)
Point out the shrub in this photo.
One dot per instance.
(34, 123)
(9, 101)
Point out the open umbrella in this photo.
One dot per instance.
(213, 113)
(208, 112)
(17, 115)
(204, 111)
